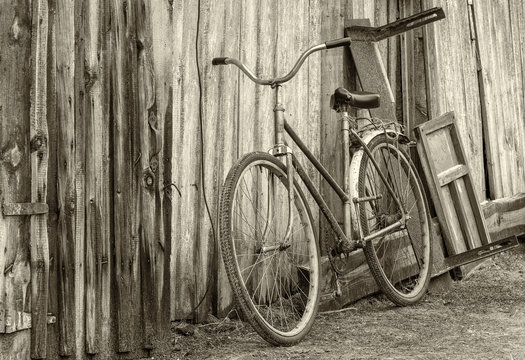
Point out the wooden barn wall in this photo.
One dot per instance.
(236, 117)
(15, 170)
(500, 33)
(142, 129)
(475, 61)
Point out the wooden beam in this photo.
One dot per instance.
(39, 159)
(452, 174)
(505, 217)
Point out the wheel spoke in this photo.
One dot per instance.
(279, 279)
(401, 257)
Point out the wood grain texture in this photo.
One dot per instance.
(79, 163)
(452, 80)
(93, 116)
(122, 175)
(505, 217)
(65, 118)
(15, 174)
(161, 18)
(499, 29)
(39, 158)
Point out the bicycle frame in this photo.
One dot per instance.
(350, 236)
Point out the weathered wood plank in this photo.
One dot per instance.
(65, 118)
(79, 161)
(39, 158)
(148, 136)
(104, 211)
(452, 174)
(94, 125)
(161, 18)
(505, 217)
(332, 62)
(122, 178)
(185, 156)
(15, 37)
(501, 82)
(233, 95)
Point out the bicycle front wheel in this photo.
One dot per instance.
(400, 260)
(275, 278)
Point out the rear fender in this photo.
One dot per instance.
(355, 165)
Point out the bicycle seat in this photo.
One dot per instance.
(358, 99)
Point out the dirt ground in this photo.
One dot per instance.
(479, 317)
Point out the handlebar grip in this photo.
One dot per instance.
(219, 61)
(338, 42)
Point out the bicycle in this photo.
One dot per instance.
(268, 241)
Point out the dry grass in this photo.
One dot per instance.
(481, 317)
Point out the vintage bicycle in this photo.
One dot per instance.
(268, 238)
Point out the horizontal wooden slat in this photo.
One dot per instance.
(451, 174)
(20, 209)
(438, 123)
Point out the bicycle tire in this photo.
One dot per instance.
(400, 261)
(279, 295)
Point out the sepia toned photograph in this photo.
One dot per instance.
(262, 179)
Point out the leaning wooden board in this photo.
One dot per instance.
(457, 206)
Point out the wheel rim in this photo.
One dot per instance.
(278, 280)
(402, 255)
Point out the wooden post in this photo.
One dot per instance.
(39, 159)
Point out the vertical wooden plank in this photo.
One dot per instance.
(147, 167)
(315, 102)
(465, 215)
(501, 83)
(80, 172)
(39, 159)
(185, 156)
(104, 213)
(94, 125)
(65, 113)
(162, 49)
(331, 72)
(53, 337)
(221, 113)
(122, 177)
(15, 37)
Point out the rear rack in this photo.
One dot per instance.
(369, 33)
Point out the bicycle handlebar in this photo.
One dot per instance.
(364, 34)
(280, 80)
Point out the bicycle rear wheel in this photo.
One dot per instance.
(401, 259)
(275, 282)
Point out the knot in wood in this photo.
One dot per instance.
(149, 178)
(38, 143)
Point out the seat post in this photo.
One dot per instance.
(278, 115)
(345, 131)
